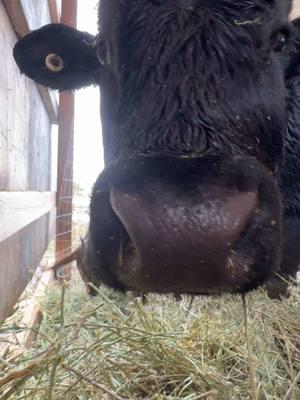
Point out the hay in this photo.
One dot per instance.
(114, 347)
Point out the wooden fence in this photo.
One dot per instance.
(27, 184)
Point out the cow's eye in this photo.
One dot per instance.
(280, 42)
(282, 38)
(102, 51)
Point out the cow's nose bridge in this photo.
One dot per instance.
(191, 4)
(187, 4)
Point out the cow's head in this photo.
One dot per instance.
(193, 110)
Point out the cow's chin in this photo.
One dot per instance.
(211, 229)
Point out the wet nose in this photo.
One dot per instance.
(183, 247)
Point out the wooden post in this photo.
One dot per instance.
(65, 155)
(54, 11)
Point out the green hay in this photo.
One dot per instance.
(114, 347)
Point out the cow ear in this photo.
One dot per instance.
(59, 57)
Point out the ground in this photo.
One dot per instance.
(166, 349)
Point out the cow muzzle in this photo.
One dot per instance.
(196, 226)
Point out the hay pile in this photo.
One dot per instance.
(114, 347)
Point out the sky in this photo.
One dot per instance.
(88, 151)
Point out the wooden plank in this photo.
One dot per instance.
(52, 223)
(39, 149)
(65, 153)
(65, 175)
(25, 127)
(19, 209)
(20, 254)
(33, 315)
(30, 313)
(17, 16)
(29, 305)
(27, 208)
(14, 113)
(54, 11)
(50, 102)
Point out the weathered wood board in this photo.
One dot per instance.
(22, 20)
(19, 256)
(14, 113)
(20, 209)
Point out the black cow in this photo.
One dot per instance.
(194, 110)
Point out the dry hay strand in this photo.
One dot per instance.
(114, 347)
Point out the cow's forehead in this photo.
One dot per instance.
(112, 14)
(113, 7)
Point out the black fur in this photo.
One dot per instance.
(184, 83)
(289, 168)
(77, 50)
(217, 105)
